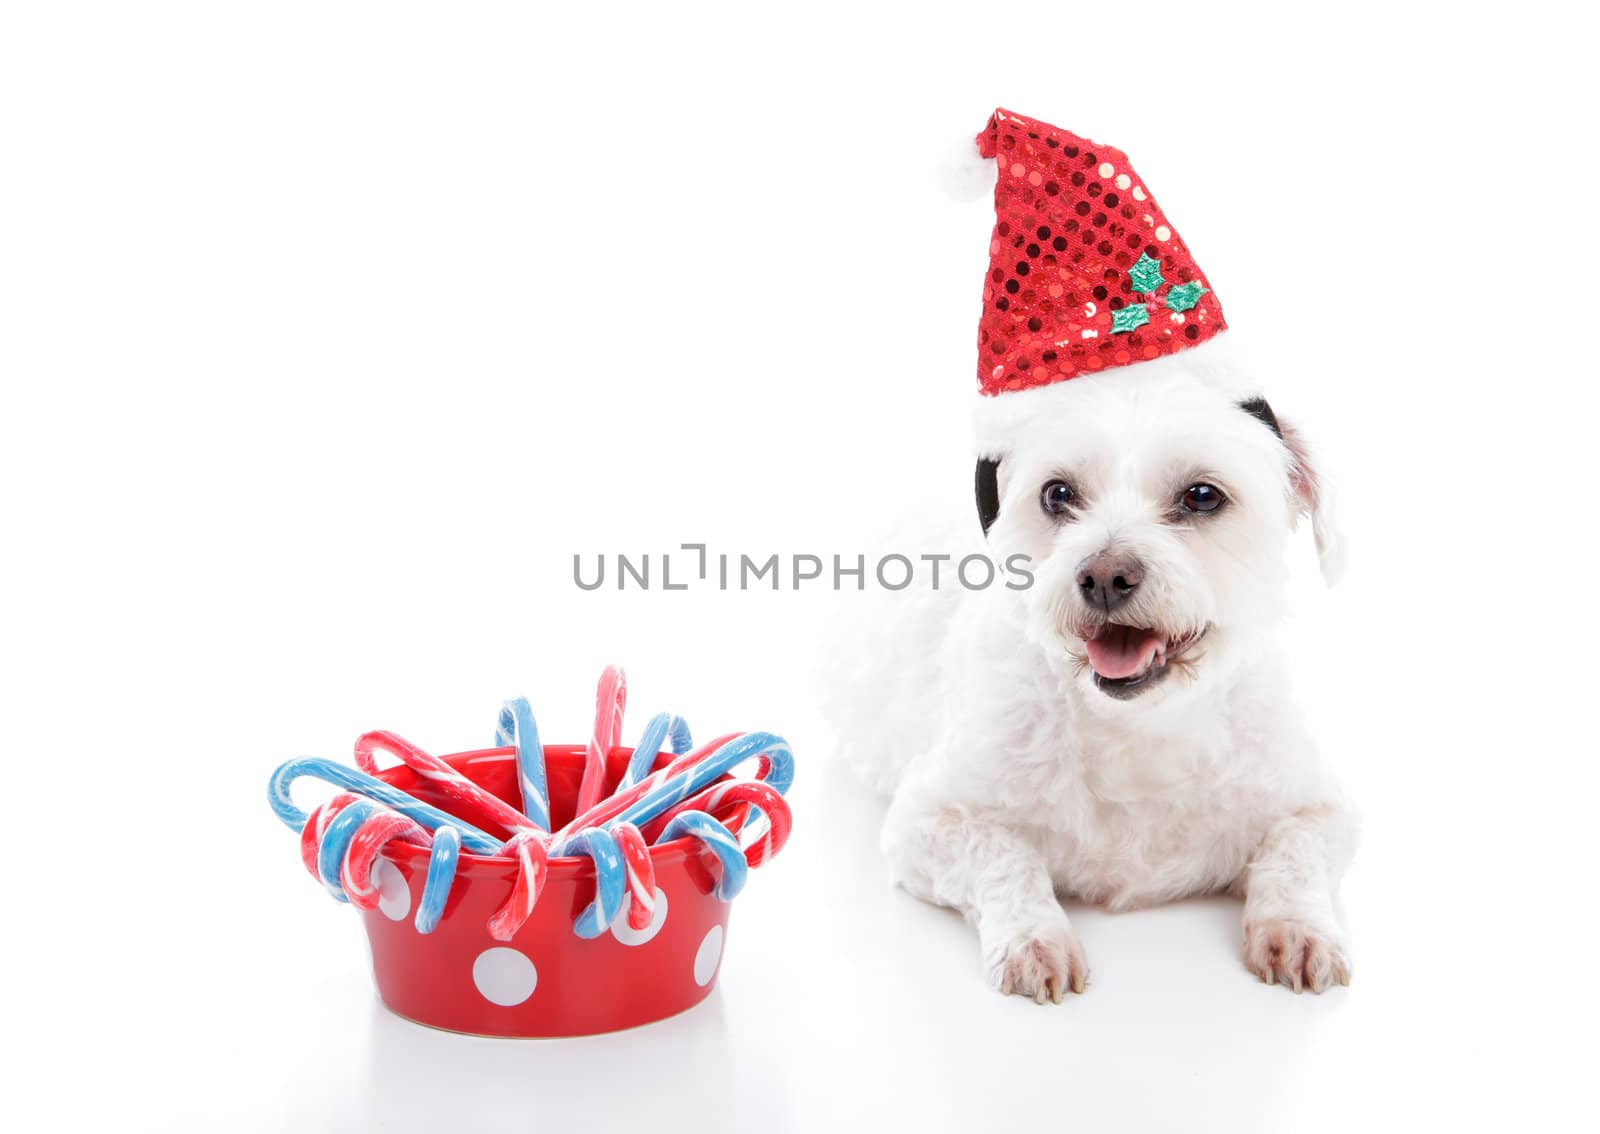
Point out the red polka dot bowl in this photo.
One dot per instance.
(545, 981)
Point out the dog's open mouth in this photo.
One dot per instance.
(1127, 660)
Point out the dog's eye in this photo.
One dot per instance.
(1056, 497)
(1202, 498)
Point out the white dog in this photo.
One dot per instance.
(1120, 732)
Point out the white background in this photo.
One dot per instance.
(330, 332)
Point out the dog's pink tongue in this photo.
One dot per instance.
(1122, 651)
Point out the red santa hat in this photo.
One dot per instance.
(1086, 273)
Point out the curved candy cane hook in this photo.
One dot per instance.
(533, 858)
(374, 834)
(316, 825)
(361, 855)
(442, 860)
(641, 874)
(699, 825)
(655, 734)
(351, 780)
(610, 700)
(730, 802)
(609, 876)
(518, 729)
(336, 841)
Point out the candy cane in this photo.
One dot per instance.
(608, 810)
(685, 776)
(775, 767)
(442, 860)
(351, 780)
(730, 803)
(699, 825)
(610, 878)
(641, 874)
(316, 826)
(449, 781)
(689, 759)
(379, 830)
(655, 734)
(609, 702)
(517, 728)
(528, 847)
(336, 841)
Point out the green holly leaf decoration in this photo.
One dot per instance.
(1128, 318)
(1185, 296)
(1146, 274)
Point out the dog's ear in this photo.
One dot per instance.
(986, 487)
(1262, 412)
(1313, 491)
(1316, 496)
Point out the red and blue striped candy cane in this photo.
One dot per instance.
(518, 729)
(355, 875)
(442, 859)
(688, 774)
(451, 834)
(316, 825)
(620, 863)
(528, 844)
(777, 769)
(610, 700)
(339, 775)
(730, 803)
(336, 840)
(609, 876)
(659, 793)
(361, 854)
(717, 839)
(533, 856)
(641, 874)
(449, 781)
(608, 809)
(655, 734)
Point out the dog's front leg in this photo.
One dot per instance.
(1291, 935)
(988, 870)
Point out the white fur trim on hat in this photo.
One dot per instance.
(1216, 362)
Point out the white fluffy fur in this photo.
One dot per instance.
(1016, 780)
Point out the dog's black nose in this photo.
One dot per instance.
(1108, 580)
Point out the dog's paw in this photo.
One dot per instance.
(1045, 964)
(1296, 954)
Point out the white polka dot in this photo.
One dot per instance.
(1089, 309)
(1123, 181)
(707, 956)
(394, 896)
(1163, 232)
(1177, 316)
(504, 976)
(1106, 169)
(625, 933)
(1138, 192)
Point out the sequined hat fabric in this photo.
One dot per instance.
(1085, 270)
